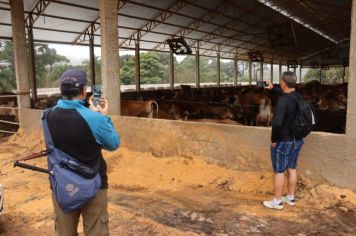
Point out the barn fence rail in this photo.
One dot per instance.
(7, 121)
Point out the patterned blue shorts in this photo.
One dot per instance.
(285, 155)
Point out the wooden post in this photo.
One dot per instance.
(197, 67)
(110, 71)
(171, 69)
(32, 65)
(300, 73)
(272, 71)
(250, 73)
(20, 54)
(92, 61)
(137, 68)
(351, 95)
(235, 70)
(218, 69)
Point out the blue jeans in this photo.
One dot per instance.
(285, 155)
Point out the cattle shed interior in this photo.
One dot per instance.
(288, 34)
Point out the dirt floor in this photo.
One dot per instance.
(174, 196)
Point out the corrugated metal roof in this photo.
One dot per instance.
(231, 26)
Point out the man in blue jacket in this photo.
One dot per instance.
(82, 130)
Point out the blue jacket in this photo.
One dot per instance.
(99, 124)
(82, 133)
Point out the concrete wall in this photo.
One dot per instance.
(325, 157)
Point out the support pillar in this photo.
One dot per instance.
(197, 67)
(261, 71)
(280, 70)
(137, 68)
(320, 74)
(32, 65)
(235, 70)
(110, 71)
(171, 69)
(300, 73)
(218, 69)
(20, 54)
(249, 72)
(271, 72)
(91, 62)
(343, 74)
(351, 98)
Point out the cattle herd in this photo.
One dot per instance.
(243, 105)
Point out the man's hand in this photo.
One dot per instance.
(269, 86)
(273, 145)
(102, 107)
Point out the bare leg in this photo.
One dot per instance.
(278, 185)
(292, 181)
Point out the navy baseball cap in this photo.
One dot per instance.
(73, 78)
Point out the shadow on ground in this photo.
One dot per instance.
(230, 213)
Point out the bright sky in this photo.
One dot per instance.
(76, 54)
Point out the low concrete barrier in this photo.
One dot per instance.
(325, 157)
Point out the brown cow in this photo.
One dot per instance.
(9, 111)
(8, 101)
(216, 121)
(44, 103)
(330, 104)
(198, 110)
(256, 108)
(139, 108)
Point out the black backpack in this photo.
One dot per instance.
(304, 120)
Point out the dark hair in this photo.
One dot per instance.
(290, 78)
(69, 91)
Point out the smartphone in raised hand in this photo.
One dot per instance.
(261, 84)
(97, 94)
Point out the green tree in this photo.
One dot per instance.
(152, 71)
(227, 71)
(85, 66)
(7, 67)
(127, 69)
(208, 71)
(49, 56)
(313, 74)
(46, 59)
(185, 70)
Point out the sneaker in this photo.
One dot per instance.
(272, 205)
(289, 202)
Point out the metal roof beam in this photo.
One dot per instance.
(321, 17)
(154, 22)
(197, 19)
(195, 24)
(271, 4)
(92, 28)
(36, 12)
(161, 17)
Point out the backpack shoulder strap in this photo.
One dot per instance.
(48, 136)
(289, 95)
(47, 133)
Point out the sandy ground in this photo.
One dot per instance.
(174, 196)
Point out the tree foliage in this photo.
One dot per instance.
(48, 63)
(154, 68)
(328, 76)
(7, 67)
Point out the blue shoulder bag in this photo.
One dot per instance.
(72, 182)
